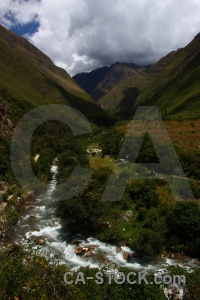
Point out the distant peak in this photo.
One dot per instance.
(129, 65)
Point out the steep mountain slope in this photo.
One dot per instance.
(89, 81)
(120, 100)
(176, 90)
(100, 81)
(28, 75)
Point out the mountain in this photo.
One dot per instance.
(31, 78)
(176, 89)
(100, 81)
(172, 84)
(120, 99)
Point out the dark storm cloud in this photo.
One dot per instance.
(81, 35)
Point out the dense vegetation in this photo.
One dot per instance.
(32, 277)
(176, 89)
(152, 227)
(156, 223)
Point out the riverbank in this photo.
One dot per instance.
(12, 204)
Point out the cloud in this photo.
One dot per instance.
(81, 35)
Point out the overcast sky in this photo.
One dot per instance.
(81, 35)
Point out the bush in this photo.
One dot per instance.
(183, 221)
(149, 242)
(143, 193)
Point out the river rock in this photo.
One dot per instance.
(94, 247)
(126, 256)
(41, 242)
(88, 254)
(103, 259)
(119, 249)
(32, 216)
(113, 266)
(81, 250)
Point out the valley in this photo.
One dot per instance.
(45, 234)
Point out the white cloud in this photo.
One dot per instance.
(80, 35)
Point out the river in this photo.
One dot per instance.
(38, 222)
